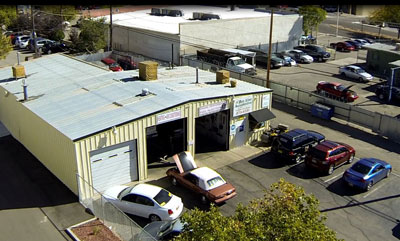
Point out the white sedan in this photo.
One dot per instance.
(355, 72)
(299, 56)
(23, 44)
(145, 200)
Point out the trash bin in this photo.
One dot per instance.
(322, 111)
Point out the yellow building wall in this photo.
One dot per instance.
(46, 143)
(137, 130)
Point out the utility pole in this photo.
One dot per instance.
(270, 47)
(33, 30)
(110, 46)
(337, 21)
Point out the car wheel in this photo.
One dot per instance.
(388, 173)
(320, 59)
(351, 159)
(290, 64)
(298, 159)
(343, 75)
(154, 218)
(370, 184)
(204, 199)
(381, 96)
(173, 181)
(49, 51)
(330, 170)
(360, 80)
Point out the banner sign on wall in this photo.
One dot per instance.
(169, 116)
(265, 101)
(213, 108)
(242, 106)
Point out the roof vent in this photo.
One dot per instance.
(204, 16)
(156, 11)
(166, 12)
(397, 47)
(145, 92)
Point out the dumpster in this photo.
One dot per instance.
(322, 111)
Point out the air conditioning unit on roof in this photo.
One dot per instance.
(156, 11)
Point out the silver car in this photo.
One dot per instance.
(355, 72)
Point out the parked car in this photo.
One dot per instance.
(203, 181)
(369, 40)
(357, 45)
(366, 172)
(112, 64)
(54, 47)
(382, 91)
(127, 63)
(317, 52)
(294, 144)
(363, 42)
(287, 60)
(336, 90)
(299, 56)
(145, 200)
(160, 230)
(40, 42)
(23, 43)
(20, 38)
(262, 59)
(342, 46)
(328, 155)
(355, 72)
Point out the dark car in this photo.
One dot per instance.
(328, 155)
(294, 145)
(382, 91)
(317, 52)
(160, 230)
(337, 91)
(357, 45)
(366, 172)
(54, 47)
(127, 63)
(262, 59)
(287, 60)
(342, 46)
(369, 40)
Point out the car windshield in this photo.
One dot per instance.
(360, 71)
(319, 49)
(340, 87)
(360, 168)
(215, 182)
(318, 153)
(238, 61)
(286, 142)
(114, 65)
(163, 197)
(124, 192)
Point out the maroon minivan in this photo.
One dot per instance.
(328, 155)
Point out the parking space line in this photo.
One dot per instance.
(397, 175)
(332, 178)
(376, 188)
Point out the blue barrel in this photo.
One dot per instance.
(322, 111)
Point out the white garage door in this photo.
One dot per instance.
(114, 165)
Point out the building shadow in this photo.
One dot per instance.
(303, 172)
(396, 231)
(268, 161)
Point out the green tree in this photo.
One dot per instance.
(386, 14)
(92, 36)
(312, 17)
(67, 12)
(5, 46)
(285, 212)
(7, 15)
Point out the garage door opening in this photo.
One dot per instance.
(165, 140)
(212, 132)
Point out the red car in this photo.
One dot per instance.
(337, 91)
(112, 64)
(328, 155)
(342, 46)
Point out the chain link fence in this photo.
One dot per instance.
(111, 216)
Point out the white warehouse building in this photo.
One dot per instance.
(166, 38)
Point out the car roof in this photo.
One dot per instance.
(296, 50)
(370, 162)
(205, 173)
(332, 83)
(326, 145)
(146, 189)
(294, 133)
(353, 66)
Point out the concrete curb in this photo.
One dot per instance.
(69, 229)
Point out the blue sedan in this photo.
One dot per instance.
(366, 172)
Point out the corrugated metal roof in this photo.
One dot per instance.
(80, 99)
(383, 47)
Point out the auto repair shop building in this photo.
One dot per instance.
(107, 127)
(165, 37)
